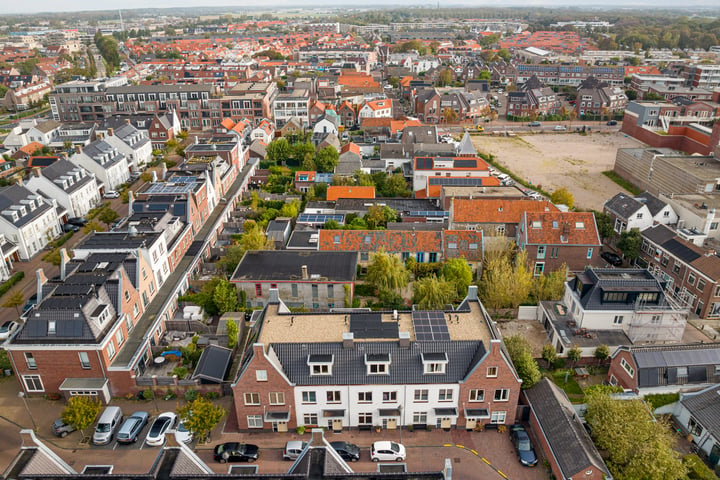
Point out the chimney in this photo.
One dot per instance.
(273, 296)
(163, 174)
(131, 200)
(404, 340)
(347, 339)
(64, 260)
(154, 176)
(127, 121)
(64, 155)
(78, 148)
(110, 132)
(41, 280)
(196, 140)
(304, 270)
(99, 135)
(472, 292)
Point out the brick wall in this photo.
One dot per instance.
(54, 366)
(623, 377)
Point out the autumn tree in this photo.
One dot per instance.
(14, 300)
(387, 272)
(450, 115)
(458, 272)
(81, 411)
(445, 77)
(432, 293)
(562, 196)
(200, 417)
(93, 226)
(602, 352)
(549, 286)
(549, 354)
(232, 333)
(505, 282)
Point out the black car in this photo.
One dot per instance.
(523, 446)
(611, 258)
(69, 227)
(79, 221)
(612, 123)
(235, 452)
(347, 451)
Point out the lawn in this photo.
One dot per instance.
(571, 387)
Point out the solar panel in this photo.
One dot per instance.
(36, 328)
(466, 163)
(430, 326)
(370, 325)
(320, 218)
(457, 181)
(70, 328)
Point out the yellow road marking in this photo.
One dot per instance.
(475, 452)
(502, 474)
(447, 444)
(459, 446)
(485, 460)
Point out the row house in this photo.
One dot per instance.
(163, 128)
(306, 280)
(264, 131)
(533, 97)
(294, 105)
(74, 188)
(348, 115)
(247, 100)
(43, 132)
(426, 104)
(81, 321)
(19, 99)
(494, 217)
(28, 220)
(228, 147)
(629, 213)
(110, 167)
(612, 306)
(466, 105)
(571, 75)
(376, 109)
(365, 370)
(598, 98)
(697, 411)
(692, 275)
(456, 166)
(554, 239)
(132, 143)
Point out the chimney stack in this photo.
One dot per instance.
(131, 200)
(41, 280)
(163, 174)
(347, 339)
(110, 132)
(64, 260)
(404, 340)
(78, 148)
(305, 275)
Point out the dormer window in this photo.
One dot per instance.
(536, 224)
(434, 363)
(320, 364)
(377, 363)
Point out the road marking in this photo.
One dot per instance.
(475, 452)
(447, 444)
(501, 474)
(485, 460)
(460, 446)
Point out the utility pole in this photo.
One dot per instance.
(122, 25)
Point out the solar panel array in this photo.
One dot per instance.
(186, 186)
(427, 213)
(457, 181)
(320, 217)
(430, 326)
(370, 325)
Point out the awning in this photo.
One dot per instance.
(333, 413)
(277, 416)
(446, 412)
(83, 384)
(389, 412)
(477, 413)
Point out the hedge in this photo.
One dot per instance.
(11, 282)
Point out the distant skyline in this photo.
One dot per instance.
(39, 6)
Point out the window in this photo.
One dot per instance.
(420, 418)
(497, 417)
(84, 360)
(136, 311)
(717, 291)
(258, 290)
(314, 289)
(261, 375)
(694, 427)
(294, 290)
(421, 395)
(539, 268)
(639, 216)
(331, 291)
(701, 285)
(111, 350)
(435, 367)
(252, 399)
(389, 397)
(323, 369)
(491, 372)
(618, 320)
(541, 251)
(589, 253)
(477, 395)
(691, 279)
(502, 394)
(120, 337)
(676, 268)
(255, 421)
(277, 398)
(377, 368)
(310, 419)
(365, 418)
(420, 257)
(445, 395)
(628, 368)
(655, 319)
(333, 396)
(364, 397)
(33, 383)
(308, 397)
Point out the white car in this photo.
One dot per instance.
(559, 128)
(164, 422)
(7, 329)
(111, 194)
(182, 434)
(387, 452)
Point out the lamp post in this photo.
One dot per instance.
(401, 422)
(22, 395)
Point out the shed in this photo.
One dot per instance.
(213, 365)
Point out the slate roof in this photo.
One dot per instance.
(285, 265)
(559, 228)
(101, 148)
(704, 406)
(662, 356)
(65, 167)
(571, 445)
(624, 206)
(12, 195)
(479, 210)
(466, 146)
(654, 204)
(612, 279)
(706, 263)
(213, 364)
(659, 234)
(392, 241)
(118, 240)
(406, 365)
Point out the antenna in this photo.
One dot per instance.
(122, 26)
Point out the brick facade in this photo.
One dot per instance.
(618, 375)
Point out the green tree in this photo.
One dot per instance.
(504, 53)
(445, 77)
(14, 299)
(256, 240)
(574, 354)
(278, 151)
(505, 282)
(549, 354)
(225, 297)
(520, 352)
(81, 411)
(550, 286)
(232, 333)
(303, 152)
(200, 417)
(561, 196)
(93, 226)
(602, 352)
(395, 186)
(458, 272)
(432, 293)
(290, 209)
(108, 216)
(387, 272)
(629, 244)
(604, 225)
(326, 159)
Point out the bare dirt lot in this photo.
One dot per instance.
(552, 161)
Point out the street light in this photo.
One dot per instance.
(401, 422)
(22, 395)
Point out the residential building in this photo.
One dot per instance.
(74, 188)
(44, 132)
(163, 128)
(427, 105)
(425, 167)
(132, 143)
(296, 105)
(533, 97)
(647, 369)
(317, 280)
(599, 99)
(28, 220)
(110, 167)
(376, 109)
(703, 76)
(495, 217)
(697, 413)
(628, 213)
(365, 369)
(335, 192)
(265, 132)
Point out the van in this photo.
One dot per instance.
(106, 426)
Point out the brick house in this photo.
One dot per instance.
(494, 216)
(362, 370)
(552, 239)
(163, 127)
(348, 115)
(427, 105)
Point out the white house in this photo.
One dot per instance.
(265, 132)
(628, 213)
(376, 109)
(71, 185)
(44, 132)
(110, 166)
(698, 413)
(661, 211)
(132, 143)
(27, 220)
(327, 124)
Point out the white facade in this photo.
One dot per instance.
(376, 110)
(32, 236)
(110, 170)
(138, 152)
(40, 136)
(287, 107)
(640, 219)
(79, 201)
(325, 126)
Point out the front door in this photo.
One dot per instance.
(470, 424)
(280, 427)
(337, 424)
(391, 424)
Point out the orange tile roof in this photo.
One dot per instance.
(439, 162)
(546, 228)
(350, 147)
(341, 191)
(380, 104)
(480, 210)
(31, 147)
(392, 241)
(227, 123)
(464, 240)
(310, 176)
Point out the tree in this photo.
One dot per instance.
(232, 333)
(629, 244)
(200, 417)
(574, 354)
(505, 283)
(432, 293)
(549, 354)
(445, 77)
(108, 216)
(458, 272)
(450, 115)
(550, 286)
(602, 352)
(604, 225)
(504, 53)
(278, 151)
(303, 152)
(387, 272)
(256, 240)
(290, 209)
(81, 411)
(326, 159)
(395, 186)
(15, 299)
(520, 352)
(225, 297)
(561, 196)
(93, 226)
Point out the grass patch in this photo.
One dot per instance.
(697, 468)
(658, 400)
(622, 182)
(572, 388)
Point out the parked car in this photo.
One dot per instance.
(523, 446)
(387, 452)
(612, 258)
(235, 452)
(293, 449)
(612, 123)
(559, 128)
(61, 429)
(348, 451)
(182, 434)
(109, 422)
(111, 194)
(7, 329)
(131, 428)
(535, 124)
(164, 422)
(69, 227)
(79, 221)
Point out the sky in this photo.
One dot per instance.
(37, 6)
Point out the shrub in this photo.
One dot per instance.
(180, 372)
(212, 395)
(148, 394)
(658, 400)
(191, 395)
(696, 468)
(365, 290)
(300, 430)
(11, 282)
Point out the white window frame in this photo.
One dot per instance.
(276, 398)
(498, 417)
(504, 395)
(476, 395)
(491, 372)
(445, 395)
(255, 421)
(33, 387)
(84, 362)
(309, 397)
(627, 367)
(261, 375)
(251, 398)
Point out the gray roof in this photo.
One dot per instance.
(161, 88)
(118, 241)
(66, 168)
(426, 134)
(48, 126)
(597, 280)
(654, 204)
(659, 234)
(406, 365)
(213, 364)
(623, 205)
(676, 355)
(12, 196)
(704, 406)
(300, 240)
(102, 148)
(570, 443)
(259, 265)
(466, 146)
